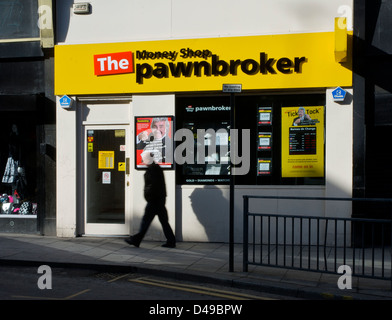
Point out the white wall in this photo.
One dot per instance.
(137, 20)
(338, 153)
(66, 161)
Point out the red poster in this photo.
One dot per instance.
(154, 138)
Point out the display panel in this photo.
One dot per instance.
(264, 141)
(263, 116)
(211, 158)
(207, 121)
(264, 167)
(154, 136)
(303, 141)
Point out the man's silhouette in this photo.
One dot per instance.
(155, 195)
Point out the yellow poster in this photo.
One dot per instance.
(303, 141)
(106, 160)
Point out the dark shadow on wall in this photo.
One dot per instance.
(212, 210)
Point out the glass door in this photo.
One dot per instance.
(107, 180)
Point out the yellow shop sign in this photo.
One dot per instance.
(257, 62)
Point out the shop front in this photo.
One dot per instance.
(290, 136)
(18, 161)
(27, 109)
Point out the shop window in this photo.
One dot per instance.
(207, 120)
(281, 151)
(18, 166)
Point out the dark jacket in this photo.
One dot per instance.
(154, 184)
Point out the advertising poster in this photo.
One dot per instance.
(154, 137)
(303, 141)
(264, 167)
(106, 160)
(265, 116)
(264, 141)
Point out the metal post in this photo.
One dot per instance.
(231, 231)
(245, 235)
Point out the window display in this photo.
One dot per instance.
(303, 141)
(264, 141)
(16, 196)
(211, 151)
(285, 147)
(208, 121)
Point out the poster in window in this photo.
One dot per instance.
(303, 141)
(265, 116)
(154, 138)
(264, 167)
(264, 141)
(106, 160)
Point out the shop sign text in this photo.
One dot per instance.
(208, 65)
(217, 67)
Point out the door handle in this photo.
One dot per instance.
(127, 166)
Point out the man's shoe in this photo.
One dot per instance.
(132, 242)
(169, 245)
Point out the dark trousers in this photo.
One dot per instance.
(152, 209)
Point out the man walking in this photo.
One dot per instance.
(155, 195)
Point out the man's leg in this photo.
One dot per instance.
(148, 216)
(167, 230)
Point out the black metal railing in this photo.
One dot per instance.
(315, 243)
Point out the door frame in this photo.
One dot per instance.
(105, 229)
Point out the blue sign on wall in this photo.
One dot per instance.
(65, 101)
(339, 94)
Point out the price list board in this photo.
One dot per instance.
(303, 140)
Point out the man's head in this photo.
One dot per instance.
(159, 127)
(301, 112)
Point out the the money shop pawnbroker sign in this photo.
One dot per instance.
(257, 62)
(163, 64)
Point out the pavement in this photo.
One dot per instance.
(193, 261)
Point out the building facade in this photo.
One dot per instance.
(27, 111)
(372, 116)
(260, 90)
